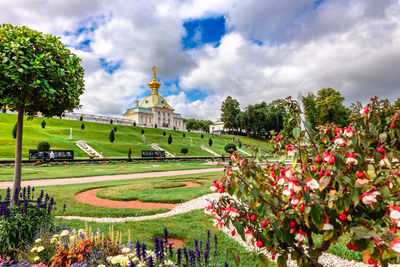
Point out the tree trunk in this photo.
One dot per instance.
(18, 153)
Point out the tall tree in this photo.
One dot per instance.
(37, 73)
(310, 109)
(230, 109)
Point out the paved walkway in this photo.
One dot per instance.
(93, 179)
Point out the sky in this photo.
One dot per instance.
(206, 50)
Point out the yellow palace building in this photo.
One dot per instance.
(154, 110)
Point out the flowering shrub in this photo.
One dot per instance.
(20, 222)
(339, 181)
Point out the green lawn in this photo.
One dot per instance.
(187, 227)
(67, 171)
(65, 194)
(96, 135)
(262, 143)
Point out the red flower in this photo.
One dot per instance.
(381, 149)
(233, 233)
(370, 261)
(260, 243)
(253, 217)
(343, 217)
(292, 224)
(392, 125)
(360, 174)
(264, 223)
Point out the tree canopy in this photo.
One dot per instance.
(37, 74)
(230, 109)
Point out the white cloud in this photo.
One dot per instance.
(350, 45)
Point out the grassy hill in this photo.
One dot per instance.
(96, 135)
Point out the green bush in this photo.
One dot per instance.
(183, 135)
(230, 148)
(134, 123)
(184, 150)
(164, 133)
(142, 131)
(202, 136)
(155, 125)
(210, 142)
(112, 136)
(115, 129)
(14, 131)
(111, 121)
(83, 126)
(81, 118)
(43, 146)
(169, 139)
(130, 153)
(43, 124)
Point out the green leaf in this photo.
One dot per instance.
(327, 235)
(254, 193)
(355, 196)
(262, 259)
(282, 260)
(296, 132)
(316, 215)
(307, 197)
(239, 229)
(385, 192)
(361, 231)
(323, 182)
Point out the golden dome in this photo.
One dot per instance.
(154, 84)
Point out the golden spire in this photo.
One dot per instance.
(154, 84)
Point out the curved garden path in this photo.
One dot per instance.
(90, 197)
(102, 178)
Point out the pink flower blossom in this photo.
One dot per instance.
(348, 131)
(327, 227)
(286, 191)
(329, 157)
(369, 198)
(214, 188)
(339, 141)
(218, 222)
(384, 161)
(364, 111)
(312, 183)
(395, 245)
(351, 160)
(228, 171)
(209, 210)
(281, 181)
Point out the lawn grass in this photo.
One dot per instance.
(96, 135)
(65, 194)
(166, 190)
(262, 143)
(68, 171)
(188, 226)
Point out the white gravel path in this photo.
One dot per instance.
(326, 259)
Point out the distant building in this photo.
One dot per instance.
(155, 110)
(217, 127)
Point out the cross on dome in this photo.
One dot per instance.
(154, 84)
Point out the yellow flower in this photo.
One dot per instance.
(101, 265)
(72, 238)
(40, 249)
(38, 240)
(55, 236)
(53, 240)
(36, 258)
(33, 249)
(64, 233)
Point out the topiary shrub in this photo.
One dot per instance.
(184, 150)
(115, 129)
(134, 123)
(14, 131)
(210, 142)
(142, 131)
(169, 139)
(111, 121)
(183, 135)
(340, 182)
(155, 125)
(111, 137)
(230, 148)
(202, 136)
(130, 154)
(83, 126)
(81, 118)
(43, 124)
(164, 133)
(43, 146)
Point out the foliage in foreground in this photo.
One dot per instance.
(20, 222)
(340, 181)
(85, 248)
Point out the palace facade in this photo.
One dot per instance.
(154, 110)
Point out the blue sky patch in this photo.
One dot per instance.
(110, 66)
(203, 31)
(317, 3)
(196, 94)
